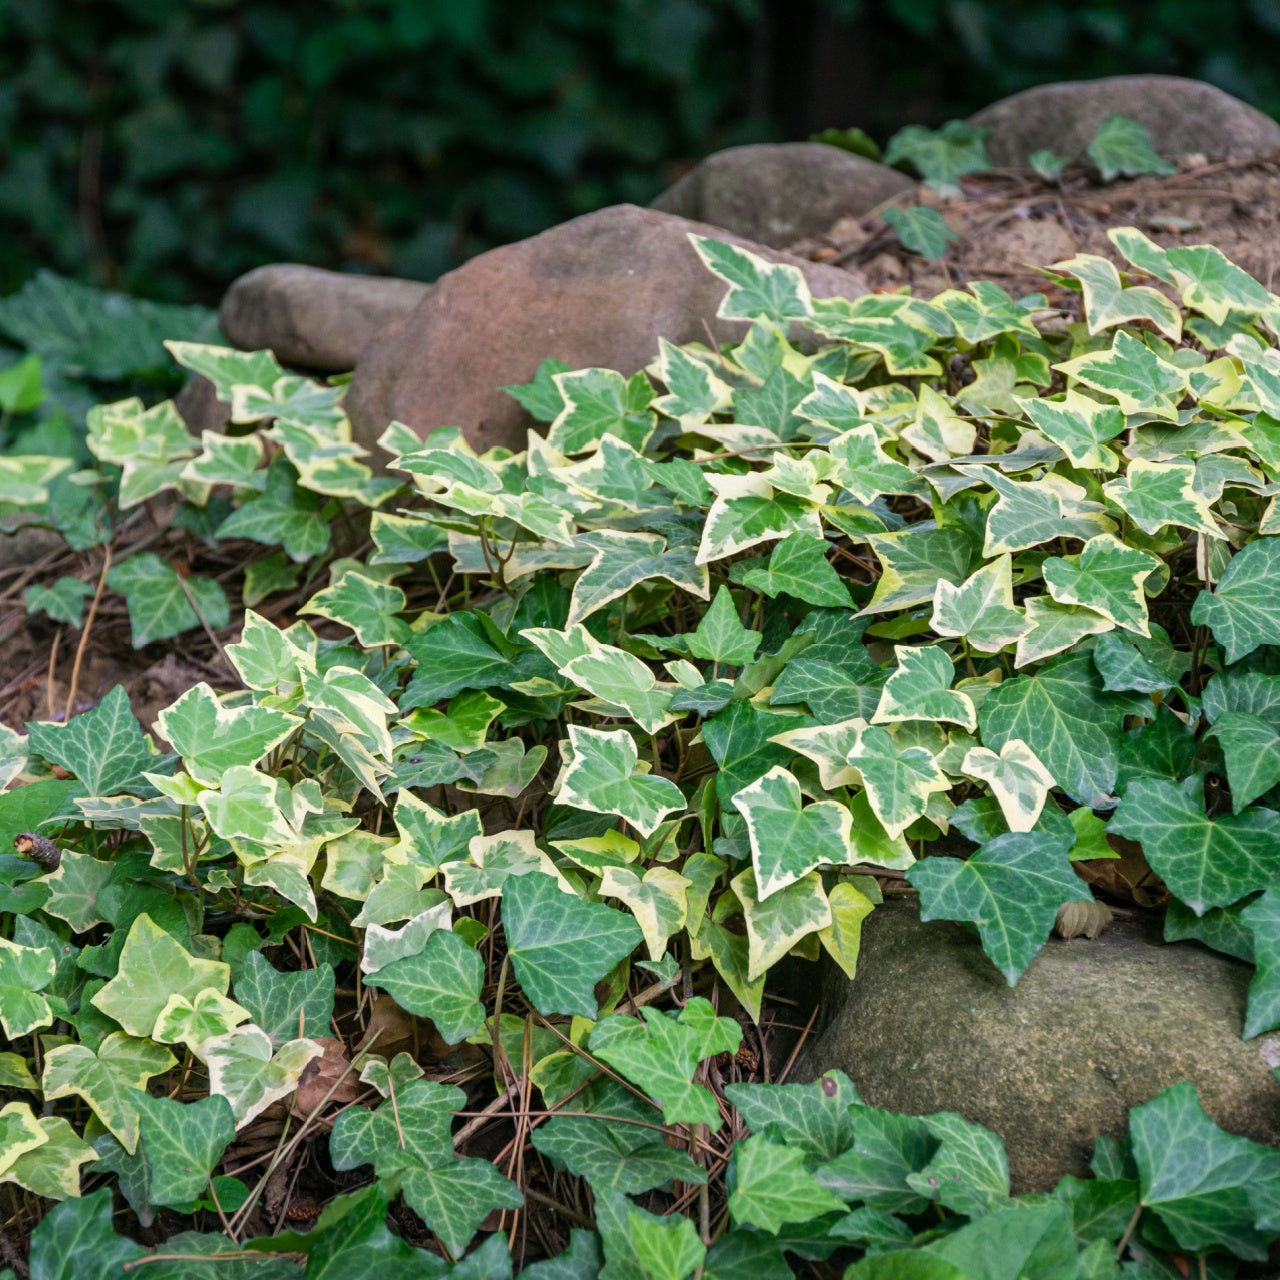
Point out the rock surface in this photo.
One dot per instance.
(318, 319)
(1091, 1029)
(596, 291)
(1184, 117)
(777, 193)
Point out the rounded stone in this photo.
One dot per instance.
(1091, 1030)
(316, 319)
(1184, 117)
(597, 291)
(778, 193)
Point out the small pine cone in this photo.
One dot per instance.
(39, 849)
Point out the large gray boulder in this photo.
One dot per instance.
(1091, 1029)
(311, 318)
(597, 291)
(778, 193)
(1184, 117)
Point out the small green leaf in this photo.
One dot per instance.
(921, 230)
(561, 947)
(799, 567)
(721, 637)
(940, 156)
(62, 600)
(541, 397)
(163, 604)
(285, 1005)
(1046, 165)
(76, 1241)
(1251, 748)
(1122, 148)
(442, 982)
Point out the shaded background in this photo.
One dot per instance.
(164, 146)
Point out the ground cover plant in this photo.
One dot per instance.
(457, 907)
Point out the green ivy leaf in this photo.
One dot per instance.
(182, 1142)
(442, 982)
(283, 515)
(799, 568)
(940, 156)
(1243, 612)
(1011, 889)
(62, 600)
(815, 1119)
(75, 1241)
(1207, 862)
(285, 1005)
(1071, 724)
(969, 1172)
(1251, 748)
(212, 738)
(667, 1248)
(720, 636)
(74, 888)
(541, 398)
(1199, 1180)
(1122, 148)
(773, 1188)
(560, 946)
(1261, 918)
(163, 604)
(104, 748)
(921, 230)
(24, 973)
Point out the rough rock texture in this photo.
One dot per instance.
(596, 291)
(1184, 117)
(318, 319)
(775, 193)
(1091, 1029)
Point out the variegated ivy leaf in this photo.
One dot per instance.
(1107, 302)
(920, 689)
(720, 636)
(778, 921)
(788, 840)
(384, 946)
(401, 539)
(772, 291)
(842, 938)
(283, 515)
(266, 658)
(658, 899)
(1213, 285)
(212, 738)
(614, 478)
(150, 446)
(243, 1069)
(1016, 778)
(352, 702)
(1028, 513)
(1154, 494)
(985, 311)
(13, 754)
(247, 807)
(600, 402)
(981, 609)
(108, 1080)
(804, 477)
(328, 462)
(898, 781)
(833, 405)
(162, 603)
(1133, 375)
(1080, 426)
(1243, 611)
(227, 368)
(828, 746)
(52, 1169)
(622, 680)
(621, 561)
(914, 561)
(370, 608)
(397, 895)
(603, 777)
(892, 325)
(493, 860)
(229, 460)
(1106, 577)
(938, 432)
(354, 863)
(748, 511)
(24, 973)
(154, 967)
(694, 392)
(1054, 628)
(864, 468)
(192, 1021)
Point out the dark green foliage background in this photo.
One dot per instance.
(163, 146)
